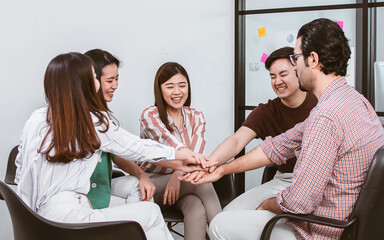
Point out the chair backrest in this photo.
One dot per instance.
(11, 167)
(268, 173)
(29, 225)
(369, 207)
(20, 214)
(225, 189)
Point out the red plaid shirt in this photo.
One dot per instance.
(334, 148)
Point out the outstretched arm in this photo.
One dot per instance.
(252, 160)
(187, 161)
(232, 145)
(226, 150)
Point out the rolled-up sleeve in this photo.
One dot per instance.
(313, 168)
(284, 146)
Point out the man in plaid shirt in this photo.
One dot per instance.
(334, 146)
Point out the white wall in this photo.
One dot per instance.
(143, 34)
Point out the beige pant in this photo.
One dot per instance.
(198, 203)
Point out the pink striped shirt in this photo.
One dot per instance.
(191, 135)
(334, 148)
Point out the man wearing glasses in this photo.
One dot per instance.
(291, 106)
(334, 146)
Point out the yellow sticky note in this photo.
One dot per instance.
(261, 32)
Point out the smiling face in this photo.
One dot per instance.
(175, 92)
(109, 81)
(283, 79)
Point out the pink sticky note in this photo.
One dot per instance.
(341, 24)
(264, 57)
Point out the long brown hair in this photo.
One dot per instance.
(164, 73)
(71, 95)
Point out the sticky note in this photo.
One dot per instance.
(261, 32)
(341, 24)
(264, 57)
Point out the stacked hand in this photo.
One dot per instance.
(207, 175)
(192, 161)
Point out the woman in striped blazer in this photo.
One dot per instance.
(173, 122)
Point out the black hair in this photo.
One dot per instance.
(100, 59)
(281, 53)
(327, 39)
(163, 74)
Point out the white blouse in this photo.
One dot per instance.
(38, 179)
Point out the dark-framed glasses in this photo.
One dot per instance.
(293, 58)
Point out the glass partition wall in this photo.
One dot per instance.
(263, 26)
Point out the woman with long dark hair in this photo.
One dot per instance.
(61, 145)
(173, 122)
(134, 187)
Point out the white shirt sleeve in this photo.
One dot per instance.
(130, 147)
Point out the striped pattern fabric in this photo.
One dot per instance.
(38, 180)
(191, 135)
(334, 148)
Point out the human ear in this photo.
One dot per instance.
(313, 59)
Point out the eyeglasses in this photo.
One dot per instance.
(293, 58)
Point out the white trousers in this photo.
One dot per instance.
(71, 207)
(125, 190)
(251, 199)
(240, 220)
(247, 225)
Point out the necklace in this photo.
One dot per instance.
(177, 118)
(179, 121)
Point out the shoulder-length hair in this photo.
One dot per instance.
(100, 59)
(71, 95)
(164, 73)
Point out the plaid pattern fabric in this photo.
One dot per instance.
(334, 146)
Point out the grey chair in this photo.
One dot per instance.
(28, 225)
(366, 220)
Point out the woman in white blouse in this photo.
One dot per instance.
(104, 190)
(173, 122)
(62, 143)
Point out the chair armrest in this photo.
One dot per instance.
(91, 225)
(306, 218)
(225, 189)
(97, 230)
